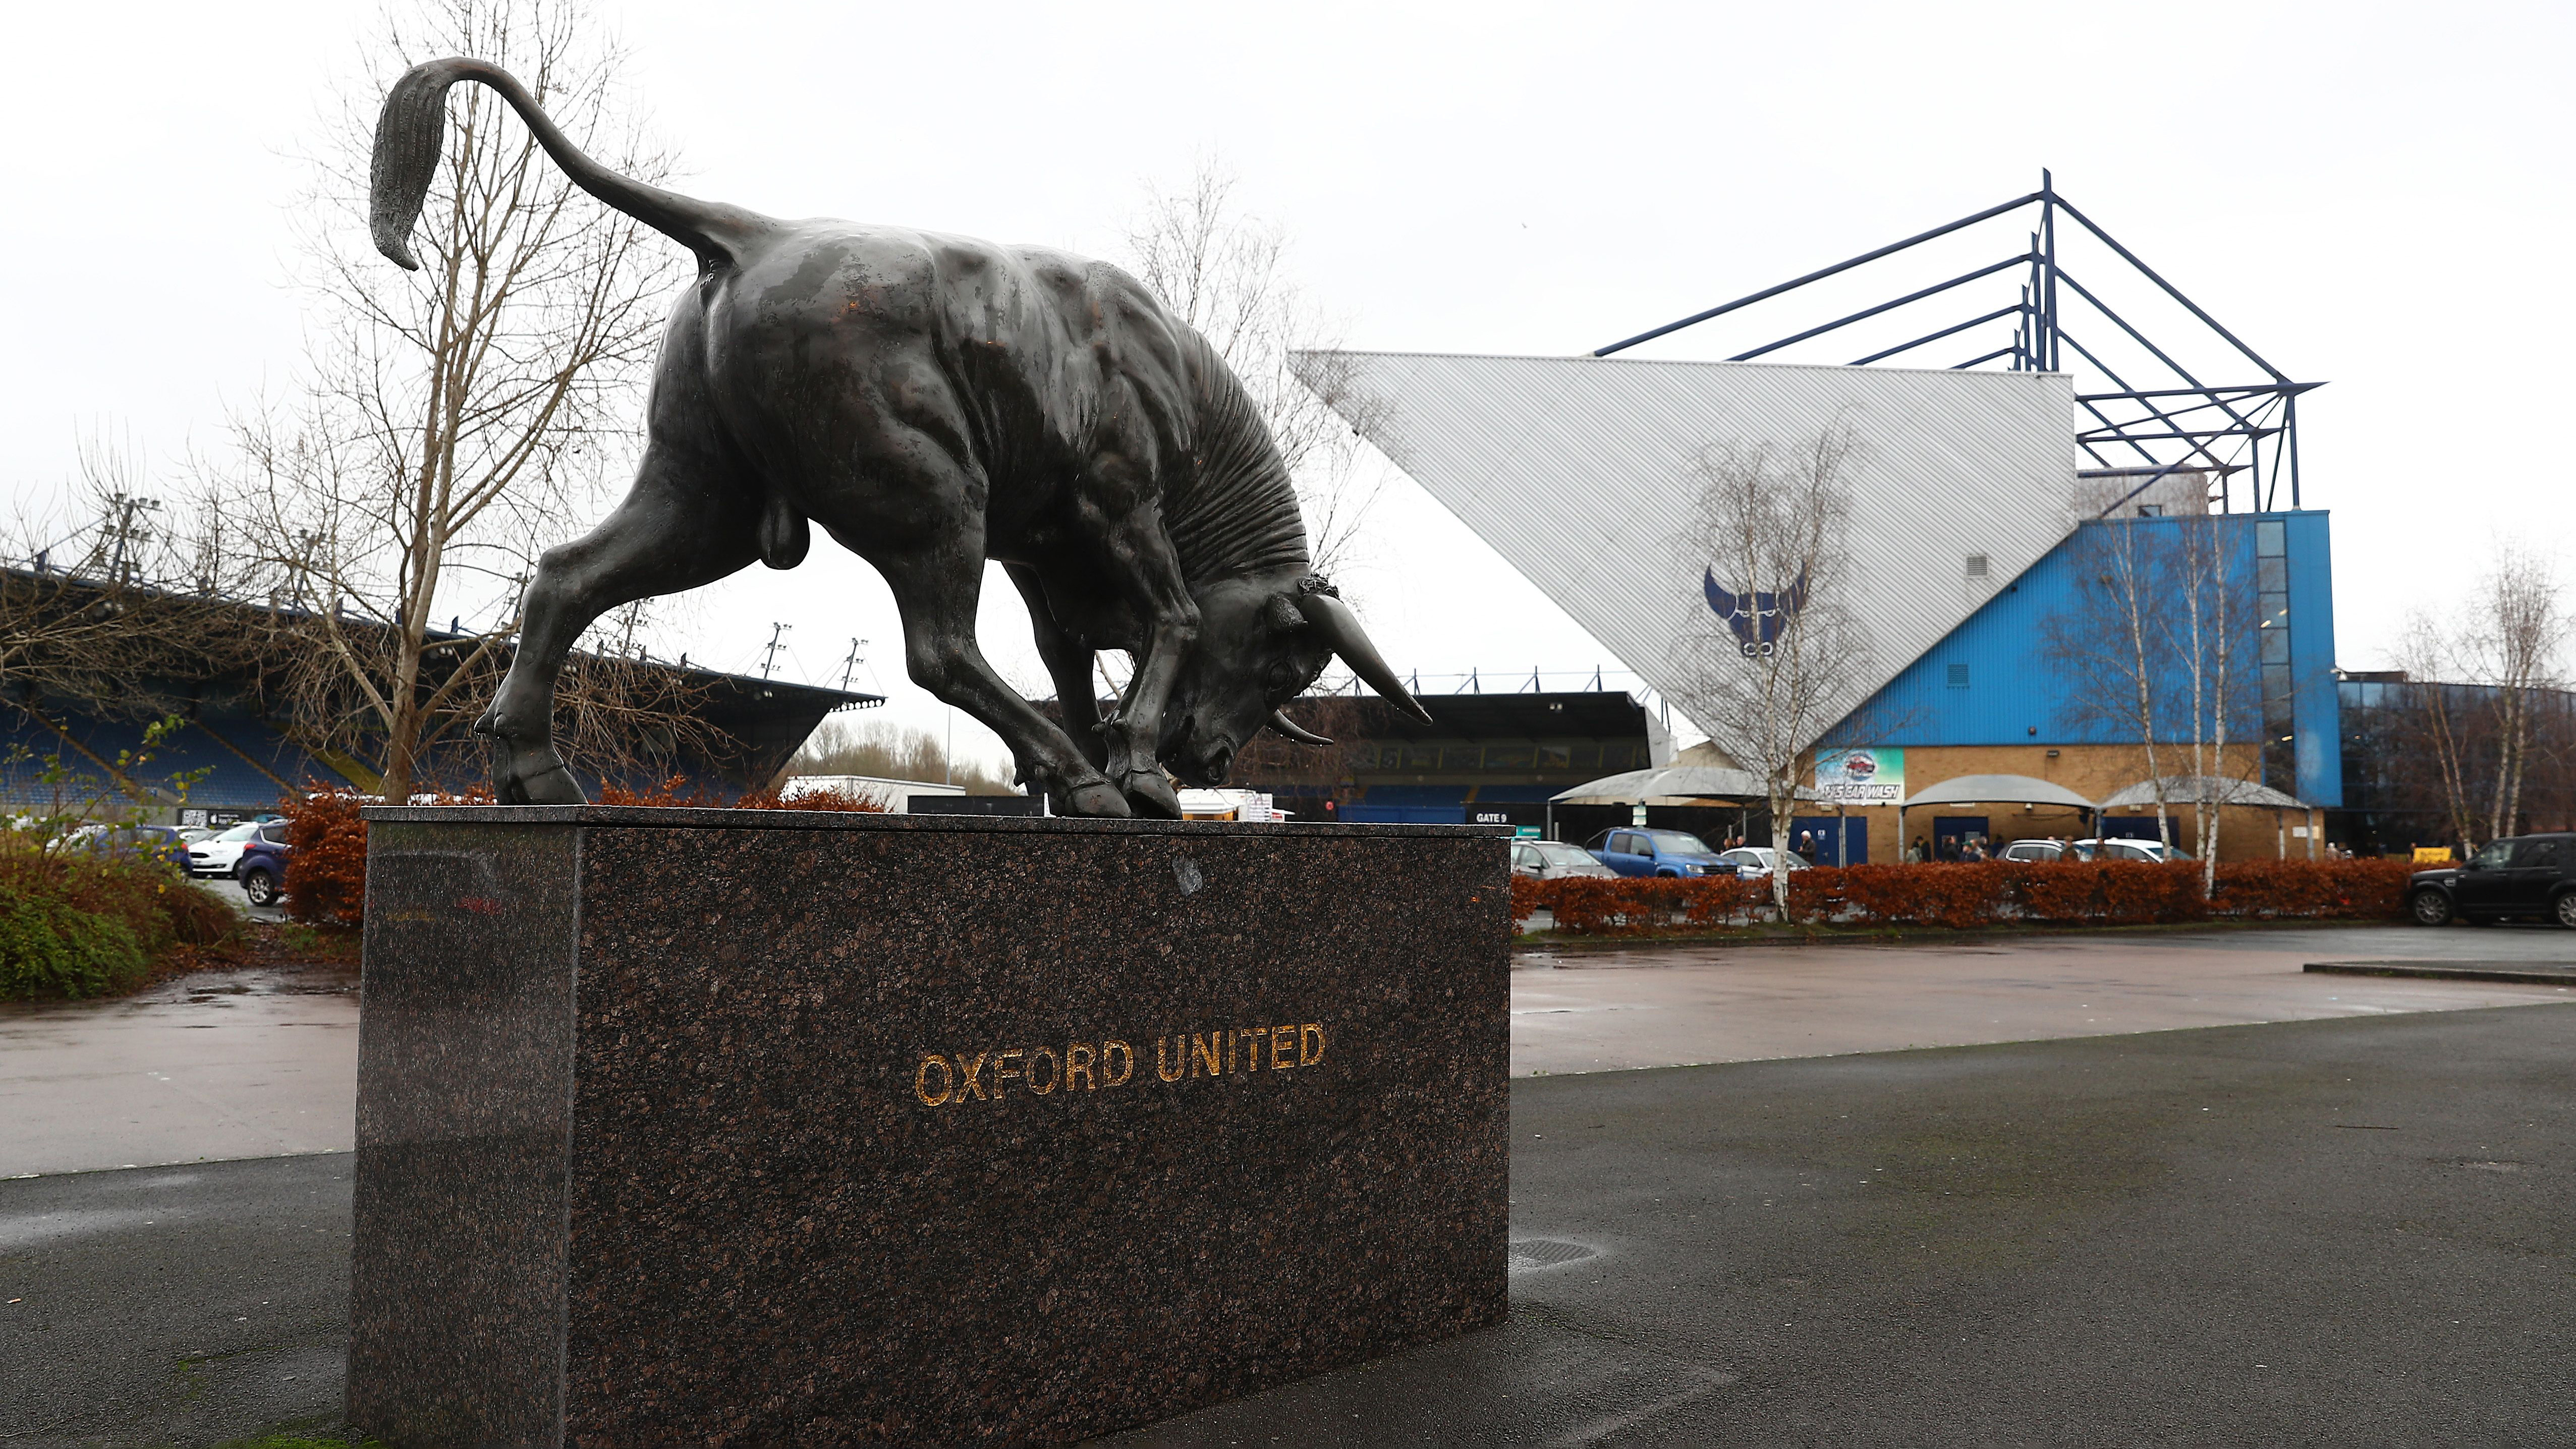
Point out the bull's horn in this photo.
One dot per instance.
(1340, 627)
(1280, 721)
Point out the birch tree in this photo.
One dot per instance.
(2477, 672)
(1777, 657)
(2110, 644)
(2207, 606)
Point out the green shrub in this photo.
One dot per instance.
(74, 927)
(47, 948)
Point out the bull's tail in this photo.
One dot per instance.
(408, 137)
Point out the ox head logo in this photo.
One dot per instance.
(1262, 640)
(1756, 618)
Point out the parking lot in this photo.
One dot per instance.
(2041, 1190)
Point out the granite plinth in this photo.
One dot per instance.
(761, 1127)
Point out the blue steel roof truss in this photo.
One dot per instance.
(2185, 425)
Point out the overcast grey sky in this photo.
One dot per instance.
(2375, 196)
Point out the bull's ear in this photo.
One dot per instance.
(1282, 613)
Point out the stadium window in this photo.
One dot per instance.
(1462, 757)
(1555, 757)
(2272, 575)
(1958, 676)
(2276, 646)
(2271, 538)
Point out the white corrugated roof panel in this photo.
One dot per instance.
(1577, 470)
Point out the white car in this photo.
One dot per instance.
(1753, 862)
(2150, 851)
(219, 855)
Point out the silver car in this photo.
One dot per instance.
(1753, 862)
(1555, 860)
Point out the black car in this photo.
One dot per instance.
(2529, 875)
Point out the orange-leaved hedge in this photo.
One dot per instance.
(326, 872)
(1962, 895)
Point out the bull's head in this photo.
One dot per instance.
(1262, 640)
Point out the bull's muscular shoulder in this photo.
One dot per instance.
(936, 282)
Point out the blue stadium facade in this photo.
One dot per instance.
(1991, 681)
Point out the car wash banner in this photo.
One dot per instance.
(1860, 777)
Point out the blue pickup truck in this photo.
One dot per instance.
(1642, 852)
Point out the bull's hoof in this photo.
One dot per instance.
(1151, 796)
(1098, 801)
(524, 773)
(544, 786)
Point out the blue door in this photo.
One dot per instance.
(1853, 833)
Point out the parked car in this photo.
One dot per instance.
(157, 842)
(194, 833)
(1554, 860)
(2034, 850)
(2528, 875)
(1753, 862)
(1634, 850)
(2123, 848)
(219, 855)
(262, 867)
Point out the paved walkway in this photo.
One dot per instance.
(2326, 1232)
(1594, 1011)
(212, 1066)
(225, 1065)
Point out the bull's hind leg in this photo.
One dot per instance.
(686, 522)
(914, 508)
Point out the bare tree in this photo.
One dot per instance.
(2208, 601)
(2478, 678)
(2522, 627)
(113, 592)
(2432, 721)
(447, 421)
(1225, 273)
(1779, 658)
(2108, 643)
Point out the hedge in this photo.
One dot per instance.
(1962, 895)
(326, 871)
(74, 926)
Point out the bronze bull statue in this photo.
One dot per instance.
(936, 401)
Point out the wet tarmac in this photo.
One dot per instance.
(1593, 1010)
(211, 1066)
(2327, 1232)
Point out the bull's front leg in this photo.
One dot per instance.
(1150, 575)
(1068, 659)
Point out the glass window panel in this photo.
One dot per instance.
(2272, 575)
(1555, 757)
(1510, 757)
(2270, 538)
(1461, 757)
(1422, 757)
(2274, 611)
(2276, 681)
(1583, 756)
(2276, 646)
